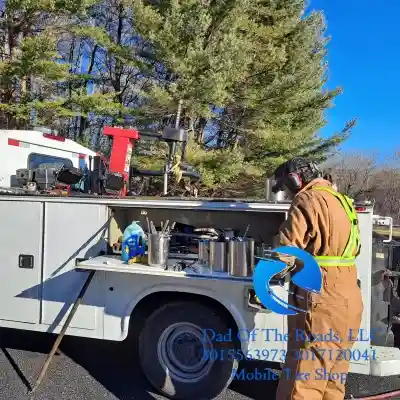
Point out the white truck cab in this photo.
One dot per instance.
(29, 149)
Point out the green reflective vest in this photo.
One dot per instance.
(353, 245)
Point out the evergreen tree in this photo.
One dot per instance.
(30, 68)
(252, 74)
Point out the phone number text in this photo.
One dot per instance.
(280, 355)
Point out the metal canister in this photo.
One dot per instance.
(241, 257)
(282, 196)
(251, 253)
(217, 256)
(204, 252)
(158, 248)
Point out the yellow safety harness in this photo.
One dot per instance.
(353, 245)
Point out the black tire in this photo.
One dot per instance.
(216, 376)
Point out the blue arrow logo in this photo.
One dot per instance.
(309, 279)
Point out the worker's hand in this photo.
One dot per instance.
(288, 260)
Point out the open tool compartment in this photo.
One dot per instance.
(263, 225)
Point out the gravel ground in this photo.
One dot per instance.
(93, 370)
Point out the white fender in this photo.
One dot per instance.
(157, 288)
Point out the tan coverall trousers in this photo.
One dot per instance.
(317, 370)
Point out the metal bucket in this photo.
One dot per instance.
(217, 258)
(158, 248)
(241, 258)
(204, 252)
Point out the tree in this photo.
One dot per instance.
(360, 176)
(29, 64)
(252, 76)
(356, 174)
(387, 191)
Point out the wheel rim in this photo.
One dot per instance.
(182, 351)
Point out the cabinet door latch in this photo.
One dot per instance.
(26, 261)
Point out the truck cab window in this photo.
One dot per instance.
(36, 159)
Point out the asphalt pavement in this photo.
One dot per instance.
(89, 369)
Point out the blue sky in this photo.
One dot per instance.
(364, 58)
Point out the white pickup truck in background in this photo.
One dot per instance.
(28, 149)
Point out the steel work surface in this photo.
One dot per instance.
(114, 264)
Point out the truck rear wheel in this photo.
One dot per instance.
(175, 349)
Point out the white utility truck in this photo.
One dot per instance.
(51, 245)
(29, 149)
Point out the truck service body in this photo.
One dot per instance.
(51, 244)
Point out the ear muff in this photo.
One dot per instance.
(293, 182)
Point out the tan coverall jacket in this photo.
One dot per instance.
(315, 368)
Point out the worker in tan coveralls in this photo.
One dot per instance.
(324, 223)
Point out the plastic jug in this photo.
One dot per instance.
(133, 242)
